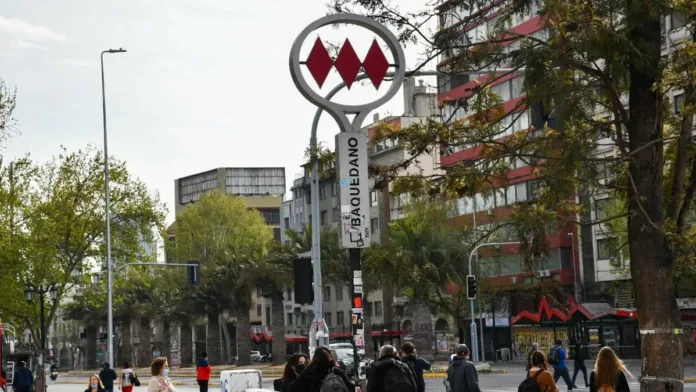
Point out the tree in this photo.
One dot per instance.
(8, 102)
(55, 224)
(227, 238)
(602, 57)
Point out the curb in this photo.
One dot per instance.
(175, 383)
(442, 374)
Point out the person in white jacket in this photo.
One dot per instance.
(160, 381)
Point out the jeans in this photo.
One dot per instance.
(562, 372)
(580, 367)
(203, 385)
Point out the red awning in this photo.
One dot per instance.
(544, 310)
(598, 310)
(296, 339)
(389, 333)
(340, 335)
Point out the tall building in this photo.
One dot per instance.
(594, 303)
(419, 104)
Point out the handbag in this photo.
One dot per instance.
(134, 380)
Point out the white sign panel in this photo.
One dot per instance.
(353, 181)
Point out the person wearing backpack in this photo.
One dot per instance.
(539, 378)
(609, 374)
(391, 375)
(462, 375)
(557, 358)
(322, 375)
(417, 363)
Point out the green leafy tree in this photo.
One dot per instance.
(600, 73)
(229, 240)
(55, 227)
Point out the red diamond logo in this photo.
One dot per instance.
(348, 64)
(319, 62)
(376, 64)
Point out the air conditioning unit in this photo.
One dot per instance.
(543, 273)
(514, 280)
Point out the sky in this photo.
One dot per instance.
(203, 84)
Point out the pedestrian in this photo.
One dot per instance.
(535, 348)
(126, 381)
(560, 367)
(107, 377)
(322, 374)
(579, 364)
(609, 374)
(462, 375)
(295, 366)
(95, 384)
(203, 370)
(160, 381)
(419, 364)
(539, 378)
(23, 378)
(390, 374)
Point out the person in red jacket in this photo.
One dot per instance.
(203, 370)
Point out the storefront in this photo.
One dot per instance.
(544, 327)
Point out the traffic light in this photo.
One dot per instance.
(471, 287)
(194, 272)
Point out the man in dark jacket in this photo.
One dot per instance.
(462, 375)
(381, 369)
(419, 364)
(23, 378)
(107, 377)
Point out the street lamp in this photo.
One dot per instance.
(110, 300)
(52, 292)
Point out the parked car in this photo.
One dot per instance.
(345, 360)
(347, 346)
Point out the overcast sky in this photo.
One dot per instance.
(204, 84)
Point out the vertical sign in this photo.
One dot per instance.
(354, 228)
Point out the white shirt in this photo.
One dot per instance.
(127, 376)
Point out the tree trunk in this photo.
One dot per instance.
(213, 343)
(167, 339)
(388, 301)
(186, 344)
(278, 325)
(91, 347)
(651, 259)
(423, 337)
(145, 346)
(127, 342)
(243, 339)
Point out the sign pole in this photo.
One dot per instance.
(351, 142)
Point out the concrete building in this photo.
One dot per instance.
(419, 103)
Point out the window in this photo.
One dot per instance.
(327, 319)
(535, 188)
(286, 223)
(333, 189)
(288, 295)
(373, 225)
(373, 198)
(339, 293)
(678, 20)
(327, 293)
(268, 315)
(270, 215)
(322, 192)
(258, 292)
(322, 217)
(521, 192)
(378, 309)
(606, 249)
(600, 209)
(339, 319)
(304, 318)
(259, 310)
(678, 103)
(336, 215)
(289, 318)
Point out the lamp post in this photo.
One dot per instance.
(110, 317)
(29, 293)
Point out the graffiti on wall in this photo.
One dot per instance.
(524, 337)
(422, 337)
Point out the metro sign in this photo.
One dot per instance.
(347, 63)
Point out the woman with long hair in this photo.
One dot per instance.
(539, 370)
(609, 374)
(95, 384)
(321, 365)
(295, 366)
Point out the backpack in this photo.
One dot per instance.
(411, 363)
(554, 358)
(333, 383)
(530, 384)
(396, 379)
